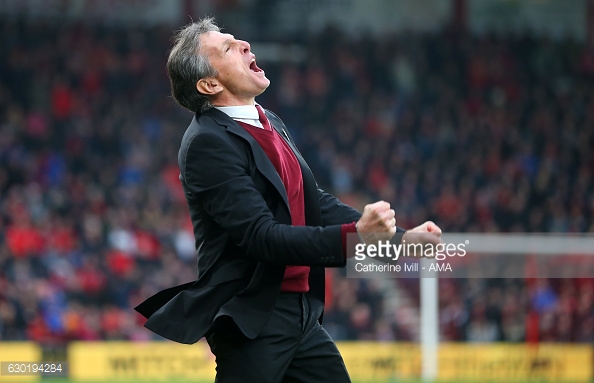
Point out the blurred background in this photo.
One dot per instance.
(476, 114)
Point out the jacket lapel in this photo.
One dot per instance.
(310, 186)
(261, 159)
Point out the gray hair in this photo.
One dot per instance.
(187, 64)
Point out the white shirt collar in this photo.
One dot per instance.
(241, 112)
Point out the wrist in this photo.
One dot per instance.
(359, 234)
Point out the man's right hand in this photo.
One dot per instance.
(378, 222)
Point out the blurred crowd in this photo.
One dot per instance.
(478, 133)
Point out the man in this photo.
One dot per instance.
(264, 230)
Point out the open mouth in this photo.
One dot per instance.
(254, 67)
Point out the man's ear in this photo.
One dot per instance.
(209, 86)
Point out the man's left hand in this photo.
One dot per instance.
(427, 233)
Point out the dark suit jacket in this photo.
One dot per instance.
(244, 237)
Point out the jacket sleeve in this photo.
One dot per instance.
(216, 175)
(334, 212)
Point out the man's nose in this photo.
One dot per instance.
(245, 46)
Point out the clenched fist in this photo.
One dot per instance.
(427, 233)
(378, 222)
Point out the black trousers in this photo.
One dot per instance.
(293, 347)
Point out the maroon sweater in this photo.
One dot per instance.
(289, 170)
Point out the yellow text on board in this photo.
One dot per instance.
(142, 360)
